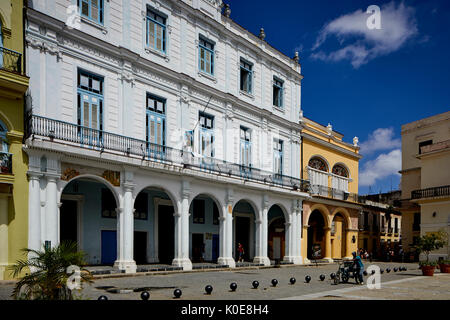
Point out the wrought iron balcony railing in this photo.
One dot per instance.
(10, 60)
(333, 193)
(5, 163)
(88, 138)
(431, 192)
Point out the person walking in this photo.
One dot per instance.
(241, 252)
(359, 266)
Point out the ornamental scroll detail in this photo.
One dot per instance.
(112, 176)
(69, 174)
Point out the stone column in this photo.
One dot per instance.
(4, 198)
(34, 211)
(327, 244)
(299, 233)
(181, 258)
(226, 238)
(51, 210)
(306, 245)
(348, 244)
(262, 235)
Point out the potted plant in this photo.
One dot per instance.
(444, 266)
(427, 243)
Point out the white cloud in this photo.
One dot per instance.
(383, 166)
(397, 26)
(380, 139)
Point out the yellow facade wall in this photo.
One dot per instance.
(332, 157)
(13, 187)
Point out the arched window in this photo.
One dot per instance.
(5, 157)
(340, 170)
(318, 164)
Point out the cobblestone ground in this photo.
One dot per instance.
(395, 285)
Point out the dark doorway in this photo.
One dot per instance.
(215, 247)
(242, 236)
(197, 247)
(140, 247)
(69, 221)
(315, 245)
(166, 234)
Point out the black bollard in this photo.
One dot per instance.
(177, 293)
(274, 282)
(145, 295)
(102, 298)
(388, 270)
(332, 275)
(307, 279)
(373, 271)
(381, 271)
(395, 269)
(233, 286)
(292, 280)
(365, 273)
(208, 289)
(255, 284)
(322, 277)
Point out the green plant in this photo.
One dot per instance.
(427, 263)
(430, 242)
(444, 262)
(48, 279)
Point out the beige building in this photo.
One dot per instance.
(426, 179)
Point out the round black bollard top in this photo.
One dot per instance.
(395, 269)
(373, 271)
(255, 284)
(292, 280)
(145, 295)
(365, 273)
(332, 275)
(388, 270)
(381, 271)
(307, 279)
(102, 298)
(177, 293)
(274, 282)
(405, 269)
(208, 289)
(322, 277)
(233, 286)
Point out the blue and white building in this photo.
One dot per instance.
(161, 131)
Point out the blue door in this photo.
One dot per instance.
(215, 247)
(109, 247)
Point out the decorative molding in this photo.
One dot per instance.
(69, 174)
(112, 176)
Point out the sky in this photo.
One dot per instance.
(366, 78)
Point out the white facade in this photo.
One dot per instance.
(130, 71)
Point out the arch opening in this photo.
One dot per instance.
(316, 235)
(276, 233)
(244, 219)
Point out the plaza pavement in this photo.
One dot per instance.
(407, 285)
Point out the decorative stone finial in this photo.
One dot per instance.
(227, 11)
(296, 57)
(355, 141)
(262, 34)
(329, 129)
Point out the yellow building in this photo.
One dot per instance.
(13, 161)
(426, 179)
(330, 218)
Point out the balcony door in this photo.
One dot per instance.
(206, 139)
(90, 108)
(155, 126)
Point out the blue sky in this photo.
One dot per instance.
(366, 83)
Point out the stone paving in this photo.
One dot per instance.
(395, 285)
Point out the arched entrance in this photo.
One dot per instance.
(244, 229)
(316, 235)
(338, 237)
(276, 233)
(88, 216)
(204, 228)
(154, 227)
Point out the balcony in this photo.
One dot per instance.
(10, 60)
(431, 192)
(5, 163)
(435, 147)
(87, 138)
(332, 193)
